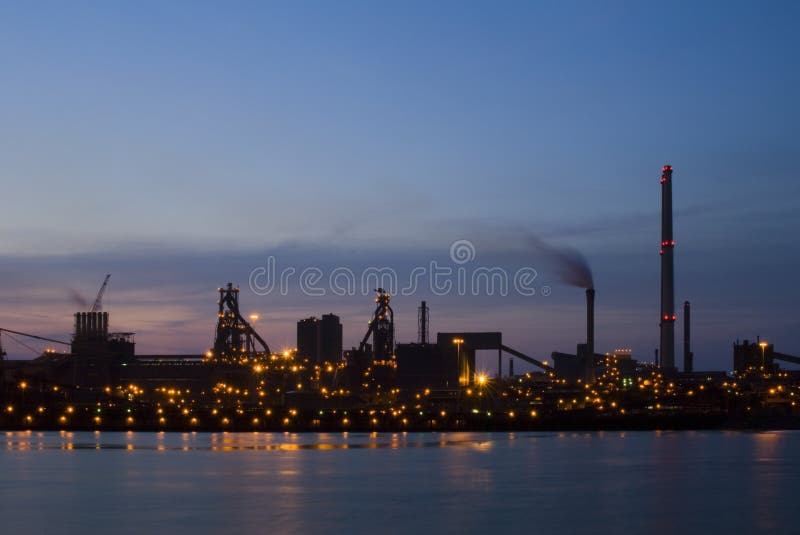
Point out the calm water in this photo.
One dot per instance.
(632, 482)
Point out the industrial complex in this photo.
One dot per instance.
(97, 379)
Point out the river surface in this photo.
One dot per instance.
(602, 482)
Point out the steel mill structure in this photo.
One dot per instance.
(98, 380)
(235, 337)
(381, 328)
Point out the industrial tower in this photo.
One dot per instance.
(235, 337)
(589, 368)
(667, 317)
(381, 328)
(423, 324)
(688, 356)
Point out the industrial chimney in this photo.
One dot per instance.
(589, 335)
(422, 323)
(590, 322)
(78, 333)
(688, 356)
(667, 317)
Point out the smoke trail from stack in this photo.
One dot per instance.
(573, 269)
(78, 299)
(570, 265)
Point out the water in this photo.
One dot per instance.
(631, 482)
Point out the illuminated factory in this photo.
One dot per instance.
(430, 383)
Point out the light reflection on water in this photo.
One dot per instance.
(576, 482)
(69, 440)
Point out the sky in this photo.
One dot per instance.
(179, 145)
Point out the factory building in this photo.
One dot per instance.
(426, 365)
(757, 356)
(308, 338)
(330, 338)
(451, 361)
(320, 340)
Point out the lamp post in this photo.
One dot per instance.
(763, 359)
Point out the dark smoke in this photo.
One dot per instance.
(570, 265)
(78, 299)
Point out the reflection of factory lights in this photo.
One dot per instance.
(463, 378)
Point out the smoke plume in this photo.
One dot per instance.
(78, 299)
(569, 264)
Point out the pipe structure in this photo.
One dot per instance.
(667, 317)
(590, 321)
(589, 348)
(423, 323)
(688, 356)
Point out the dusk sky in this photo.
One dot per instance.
(178, 145)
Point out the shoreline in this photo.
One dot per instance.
(715, 423)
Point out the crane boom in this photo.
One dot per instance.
(98, 301)
(3, 353)
(33, 336)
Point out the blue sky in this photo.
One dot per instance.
(177, 145)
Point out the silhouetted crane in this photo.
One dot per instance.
(98, 301)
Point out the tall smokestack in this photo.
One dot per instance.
(589, 349)
(590, 322)
(688, 356)
(667, 318)
(422, 320)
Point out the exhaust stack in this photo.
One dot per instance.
(667, 318)
(589, 349)
(688, 356)
(590, 321)
(422, 323)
